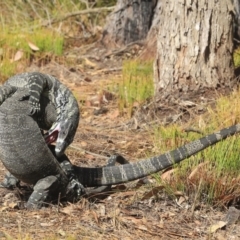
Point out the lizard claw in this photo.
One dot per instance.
(75, 190)
(34, 111)
(35, 108)
(35, 105)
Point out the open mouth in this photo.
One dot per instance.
(52, 135)
(50, 138)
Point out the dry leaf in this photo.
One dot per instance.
(89, 157)
(102, 210)
(114, 114)
(85, 113)
(168, 215)
(142, 227)
(197, 170)
(95, 216)
(33, 46)
(161, 224)
(181, 200)
(90, 63)
(87, 79)
(61, 232)
(88, 103)
(107, 96)
(136, 104)
(178, 193)
(2, 209)
(166, 176)
(83, 144)
(49, 224)
(17, 56)
(13, 205)
(93, 101)
(114, 213)
(68, 210)
(217, 226)
(153, 192)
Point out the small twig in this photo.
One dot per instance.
(33, 8)
(196, 197)
(192, 130)
(58, 203)
(82, 12)
(107, 70)
(125, 48)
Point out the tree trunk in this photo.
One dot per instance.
(149, 52)
(194, 46)
(237, 20)
(130, 22)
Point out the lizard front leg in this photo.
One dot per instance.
(43, 190)
(37, 83)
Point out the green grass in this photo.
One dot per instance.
(236, 57)
(218, 179)
(46, 40)
(136, 86)
(12, 42)
(27, 24)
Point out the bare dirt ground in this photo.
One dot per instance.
(130, 211)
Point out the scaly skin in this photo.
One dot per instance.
(129, 172)
(25, 154)
(64, 128)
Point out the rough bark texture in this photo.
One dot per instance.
(130, 22)
(194, 46)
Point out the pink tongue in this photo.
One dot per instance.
(51, 137)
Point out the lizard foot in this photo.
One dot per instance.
(9, 181)
(35, 105)
(43, 190)
(75, 190)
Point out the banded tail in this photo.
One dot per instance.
(129, 172)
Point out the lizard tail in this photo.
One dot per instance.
(123, 173)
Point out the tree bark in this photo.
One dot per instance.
(149, 52)
(194, 46)
(130, 22)
(237, 20)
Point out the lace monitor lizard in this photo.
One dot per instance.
(28, 158)
(64, 128)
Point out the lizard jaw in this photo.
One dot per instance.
(52, 135)
(50, 138)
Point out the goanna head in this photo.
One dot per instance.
(62, 132)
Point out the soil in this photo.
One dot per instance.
(129, 211)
